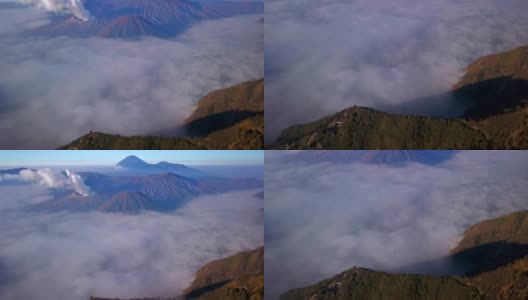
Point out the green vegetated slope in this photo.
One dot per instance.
(496, 252)
(237, 277)
(494, 90)
(358, 283)
(231, 118)
(103, 141)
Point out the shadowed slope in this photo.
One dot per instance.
(231, 118)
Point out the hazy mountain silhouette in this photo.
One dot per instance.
(388, 157)
(133, 163)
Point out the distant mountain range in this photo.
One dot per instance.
(237, 277)
(494, 254)
(231, 118)
(386, 157)
(158, 187)
(494, 90)
(131, 19)
(134, 163)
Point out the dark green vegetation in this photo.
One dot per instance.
(494, 254)
(494, 90)
(231, 118)
(358, 283)
(237, 277)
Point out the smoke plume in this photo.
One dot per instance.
(75, 7)
(52, 178)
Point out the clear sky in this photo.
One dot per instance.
(73, 158)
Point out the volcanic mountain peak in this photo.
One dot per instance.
(132, 161)
(137, 18)
(130, 201)
(129, 27)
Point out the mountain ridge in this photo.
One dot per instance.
(489, 241)
(236, 122)
(494, 89)
(134, 19)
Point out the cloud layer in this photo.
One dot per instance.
(53, 90)
(324, 56)
(74, 256)
(324, 218)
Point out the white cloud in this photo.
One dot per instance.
(76, 255)
(52, 178)
(58, 89)
(324, 218)
(324, 56)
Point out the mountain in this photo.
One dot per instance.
(359, 283)
(132, 193)
(237, 277)
(496, 252)
(227, 119)
(129, 27)
(133, 163)
(240, 276)
(139, 18)
(103, 141)
(226, 107)
(495, 83)
(385, 157)
(494, 89)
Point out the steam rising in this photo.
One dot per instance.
(52, 178)
(324, 218)
(75, 7)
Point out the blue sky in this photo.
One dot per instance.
(73, 158)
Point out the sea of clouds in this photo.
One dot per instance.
(55, 89)
(325, 217)
(326, 55)
(65, 255)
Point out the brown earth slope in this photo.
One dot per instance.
(240, 276)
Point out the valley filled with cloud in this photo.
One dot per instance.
(325, 56)
(324, 216)
(55, 88)
(121, 233)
